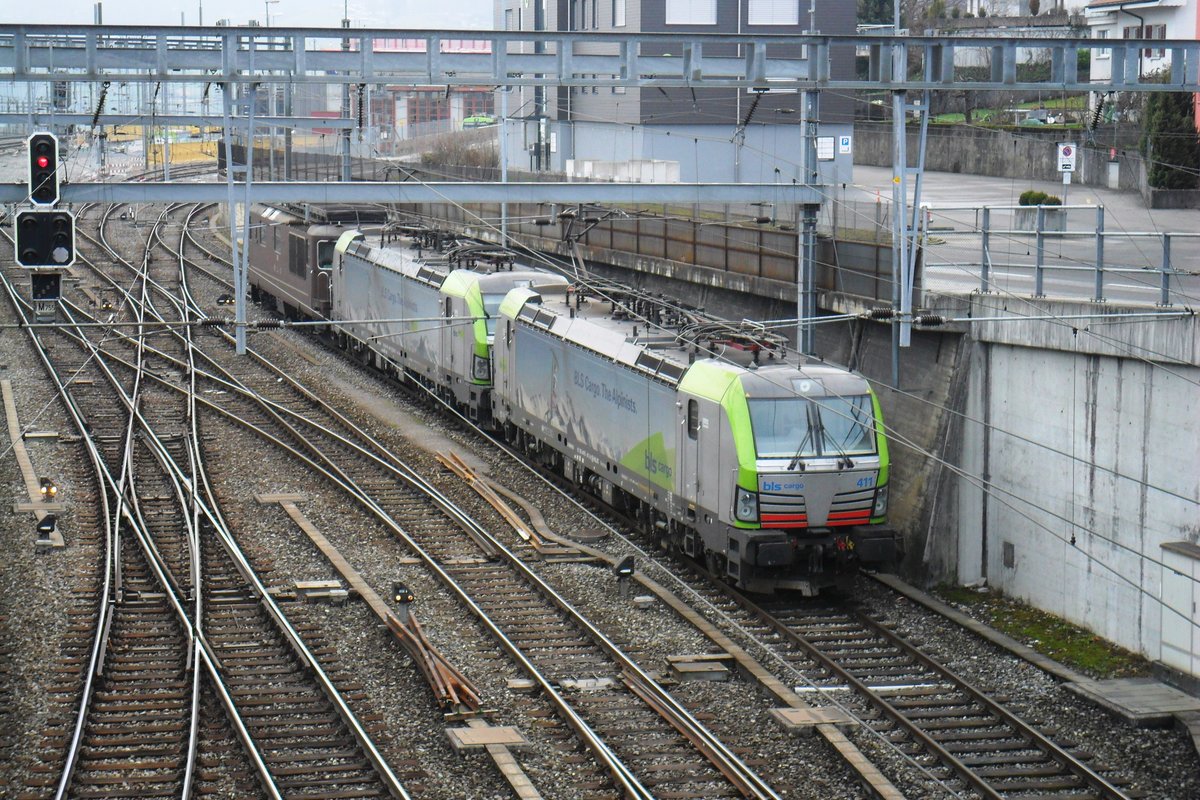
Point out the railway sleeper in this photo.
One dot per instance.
(101, 762)
(331, 754)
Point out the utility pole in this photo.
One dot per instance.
(905, 225)
(346, 100)
(806, 224)
(504, 160)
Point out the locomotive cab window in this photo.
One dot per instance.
(823, 426)
(491, 310)
(847, 425)
(325, 254)
(782, 427)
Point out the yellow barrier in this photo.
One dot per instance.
(185, 152)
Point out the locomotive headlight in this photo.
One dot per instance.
(745, 506)
(881, 498)
(481, 370)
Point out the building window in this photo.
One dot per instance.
(1103, 52)
(1156, 32)
(427, 107)
(478, 104)
(691, 12)
(508, 19)
(618, 14)
(773, 12)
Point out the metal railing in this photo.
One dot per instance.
(1074, 245)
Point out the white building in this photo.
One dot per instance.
(1140, 19)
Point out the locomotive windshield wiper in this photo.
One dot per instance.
(796, 461)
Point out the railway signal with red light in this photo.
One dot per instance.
(43, 169)
(45, 238)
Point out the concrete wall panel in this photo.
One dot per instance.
(1095, 463)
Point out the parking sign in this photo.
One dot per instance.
(1066, 156)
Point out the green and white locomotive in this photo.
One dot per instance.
(773, 474)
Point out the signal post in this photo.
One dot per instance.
(44, 234)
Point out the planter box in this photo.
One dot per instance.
(1055, 220)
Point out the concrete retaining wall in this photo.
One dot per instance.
(1090, 451)
(1020, 154)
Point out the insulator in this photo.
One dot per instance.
(882, 313)
(930, 320)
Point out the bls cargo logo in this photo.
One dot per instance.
(656, 467)
(780, 486)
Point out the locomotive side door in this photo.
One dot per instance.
(689, 449)
(322, 289)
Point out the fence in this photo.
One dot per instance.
(1076, 248)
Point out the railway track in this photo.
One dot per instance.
(919, 709)
(1038, 765)
(934, 712)
(966, 740)
(702, 761)
(156, 466)
(619, 770)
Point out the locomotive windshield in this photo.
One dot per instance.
(823, 426)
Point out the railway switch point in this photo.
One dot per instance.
(806, 720)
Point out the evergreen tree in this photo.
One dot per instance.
(1171, 142)
(875, 12)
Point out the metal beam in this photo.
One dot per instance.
(408, 192)
(551, 58)
(42, 119)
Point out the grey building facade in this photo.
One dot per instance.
(702, 134)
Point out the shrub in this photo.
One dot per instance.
(1032, 197)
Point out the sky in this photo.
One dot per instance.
(411, 14)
